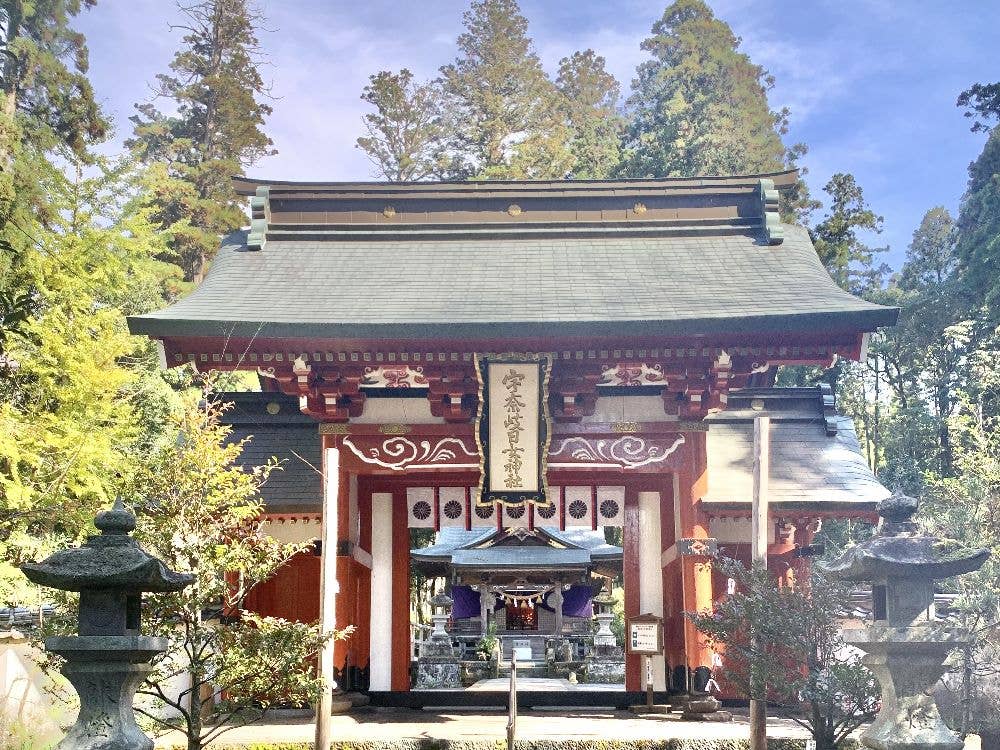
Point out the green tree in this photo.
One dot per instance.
(788, 639)
(47, 106)
(504, 119)
(404, 133)
(850, 261)
(217, 131)
(201, 512)
(45, 76)
(590, 101)
(982, 102)
(699, 106)
(77, 385)
(978, 243)
(966, 507)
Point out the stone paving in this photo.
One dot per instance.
(370, 727)
(549, 684)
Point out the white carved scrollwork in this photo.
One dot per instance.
(627, 452)
(401, 453)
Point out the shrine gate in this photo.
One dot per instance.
(664, 308)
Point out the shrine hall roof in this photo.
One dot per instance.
(465, 549)
(513, 260)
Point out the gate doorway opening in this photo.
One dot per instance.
(543, 583)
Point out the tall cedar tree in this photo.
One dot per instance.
(699, 106)
(217, 130)
(850, 261)
(979, 218)
(403, 140)
(48, 104)
(590, 101)
(504, 115)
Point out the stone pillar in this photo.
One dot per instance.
(487, 600)
(557, 605)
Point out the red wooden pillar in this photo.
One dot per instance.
(696, 573)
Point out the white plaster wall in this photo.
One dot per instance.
(380, 639)
(629, 409)
(735, 530)
(27, 708)
(293, 531)
(650, 572)
(397, 410)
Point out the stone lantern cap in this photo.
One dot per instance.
(441, 601)
(900, 550)
(110, 561)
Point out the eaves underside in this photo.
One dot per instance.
(831, 321)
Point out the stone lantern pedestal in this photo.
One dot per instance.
(110, 658)
(906, 645)
(907, 663)
(437, 664)
(106, 671)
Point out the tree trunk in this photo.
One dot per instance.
(194, 711)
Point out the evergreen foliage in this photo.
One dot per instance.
(849, 260)
(80, 399)
(217, 130)
(783, 644)
(503, 115)
(590, 101)
(45, 76)
(699, 106)
(404, 133)
(979, 228)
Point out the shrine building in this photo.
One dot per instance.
(636, 325)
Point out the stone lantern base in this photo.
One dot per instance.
(437, 665)
(907, 662)
(106, 671)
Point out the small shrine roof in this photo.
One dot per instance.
(816, 459)
(465, 549)
(515, 260)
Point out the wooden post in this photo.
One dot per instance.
(759, 523)
(512, 701)
(327, 592)
(649, 683)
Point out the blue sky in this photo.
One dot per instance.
(871, 84)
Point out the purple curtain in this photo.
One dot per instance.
(466, 602)
(577, 602)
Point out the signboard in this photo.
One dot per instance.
(644, 635)
(512, 428)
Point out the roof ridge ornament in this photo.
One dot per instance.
(774, 232)
(260, 215)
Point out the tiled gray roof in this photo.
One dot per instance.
(809, 468)
(520, 557)
(507, 285)
(289, 436)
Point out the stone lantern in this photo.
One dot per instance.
(437, 664)
(604, 614)
(905, 645)
(606, 661)
(109, 658)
